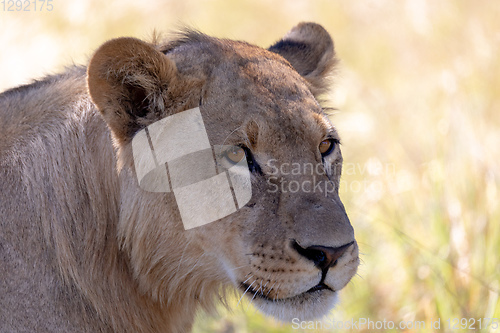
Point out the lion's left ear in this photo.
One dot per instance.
(309, 49)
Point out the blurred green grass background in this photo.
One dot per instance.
(418, 99)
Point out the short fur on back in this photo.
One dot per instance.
(84, 249)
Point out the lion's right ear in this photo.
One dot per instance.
(127, 80)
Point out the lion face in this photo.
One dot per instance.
(291, 248)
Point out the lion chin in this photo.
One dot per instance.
(311, 304)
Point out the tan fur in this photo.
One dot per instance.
(84, 249)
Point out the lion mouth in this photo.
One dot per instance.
(312, 303)
(318, 287)
(265, 296)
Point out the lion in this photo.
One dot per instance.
(83, 248)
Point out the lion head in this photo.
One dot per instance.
(291, 248)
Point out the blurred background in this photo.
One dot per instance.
(418, 98)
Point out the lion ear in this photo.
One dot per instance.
(309, 49)
(127, 79)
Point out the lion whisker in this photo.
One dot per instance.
(265, 285)
(277, 293)
(270, 289)
(235, 268)
(248, 278)
(245, 293)
(255, 293)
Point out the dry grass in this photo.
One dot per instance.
(419, 98)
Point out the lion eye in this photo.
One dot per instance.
(326, 147)
(235, 154)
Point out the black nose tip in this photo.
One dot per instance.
(323, 256)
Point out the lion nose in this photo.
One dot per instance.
(323, 257)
